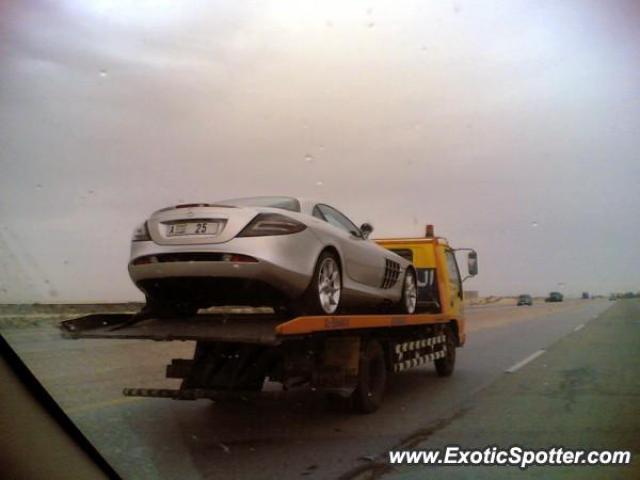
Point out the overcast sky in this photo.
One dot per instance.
(513, 126)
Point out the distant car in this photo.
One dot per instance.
(585, 295)
(554, 297)
(301, 256)
(525, 299)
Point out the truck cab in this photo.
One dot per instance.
(439, 279)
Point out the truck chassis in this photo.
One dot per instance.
(348, 356)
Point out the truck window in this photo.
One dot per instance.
(454, 274)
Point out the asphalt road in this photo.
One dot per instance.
(278, 435)
(581, 394)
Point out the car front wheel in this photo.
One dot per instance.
(323, 294)
(409, 298)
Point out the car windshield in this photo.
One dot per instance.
(285, 203)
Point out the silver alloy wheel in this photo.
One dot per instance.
(410, 293)
(329, 285)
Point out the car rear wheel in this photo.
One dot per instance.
(323, 295)
(409, 299)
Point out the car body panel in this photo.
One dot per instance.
(232, 221)
(362, 260)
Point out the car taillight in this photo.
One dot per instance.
(265, 224)
(141, 233)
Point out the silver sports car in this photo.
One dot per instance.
(298, 255)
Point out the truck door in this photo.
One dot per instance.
(455, 282)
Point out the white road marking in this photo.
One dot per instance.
(523, 362)
(579, 327)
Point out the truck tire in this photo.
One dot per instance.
(446, 364)
(409, 298)
(372, 378)
(323, 295)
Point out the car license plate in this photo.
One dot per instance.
(192, 228)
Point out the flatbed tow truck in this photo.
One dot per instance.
(348, 356)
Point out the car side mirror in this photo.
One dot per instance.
(472, 263)
(366, 229)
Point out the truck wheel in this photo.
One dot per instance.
(372, 378)
(409, 298)
(446, 364)
(323, 294)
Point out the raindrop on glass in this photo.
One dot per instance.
(370, 25)
(534, 224)
(103, 73)
(39, 186)
(90, 192)
(319, 183)
(308, 158)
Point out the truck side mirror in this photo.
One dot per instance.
(366, 229)
(472, 263)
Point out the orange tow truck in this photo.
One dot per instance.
(348, 356)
